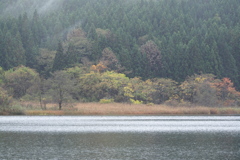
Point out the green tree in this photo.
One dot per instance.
(235, 41)
(2, 52)
(32, 52)
(5, 100)
(24, 29)
(19, 79)
(205, 95)
(14, 51)
(60, 87)
(195, 56)
(36, 28)
(37, 91)
(72, 55)
(88, 87)
(79, 47)
(198, 87)
(92, 34)
(164, 89)
(2, 76)
(19, 51)
(59, 62)
(45, 62)
(112, 84)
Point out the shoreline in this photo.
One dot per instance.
(121, 109)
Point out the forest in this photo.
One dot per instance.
(129, 51)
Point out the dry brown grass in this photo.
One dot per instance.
(128, 109)
(44, 112)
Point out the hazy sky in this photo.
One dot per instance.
(21, 6)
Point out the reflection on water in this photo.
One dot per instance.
(120, 124)
(139, 138)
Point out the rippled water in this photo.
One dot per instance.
(120, 137)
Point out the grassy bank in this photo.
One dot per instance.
(128, 109)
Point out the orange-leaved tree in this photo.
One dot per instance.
(227, 92)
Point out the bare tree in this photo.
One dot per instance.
(110, 60)
(153, 54)
(60, 87)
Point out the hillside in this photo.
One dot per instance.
(192, 36)
(171, 39)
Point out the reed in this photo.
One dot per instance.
(130, 109)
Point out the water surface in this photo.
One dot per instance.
(120, 137)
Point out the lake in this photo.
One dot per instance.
(120, 137)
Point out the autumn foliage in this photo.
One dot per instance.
(99, 85)
(206, 90)
(227, 92)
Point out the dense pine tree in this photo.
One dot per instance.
(2, 52)
(14, 51)
(71, 56)
(193, 36)
(59, 62)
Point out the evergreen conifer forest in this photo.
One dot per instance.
(136, 51)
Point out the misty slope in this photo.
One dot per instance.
(168, 38)
(16, 7)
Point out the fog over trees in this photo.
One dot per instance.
(138, 50)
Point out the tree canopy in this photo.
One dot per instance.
(153, 42)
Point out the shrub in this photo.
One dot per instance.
(106, 100)
(205, 95)
(5, 100)
(171, 102)
(150, 104)
(135, 101)
(19, 80)
(16, 110)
